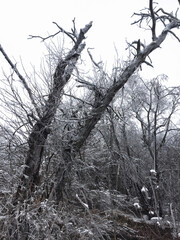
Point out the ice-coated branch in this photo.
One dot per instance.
(73, 35)
(23, 80)
(155, 16)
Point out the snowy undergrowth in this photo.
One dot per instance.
(103, 216)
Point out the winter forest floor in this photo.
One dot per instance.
(103, 216)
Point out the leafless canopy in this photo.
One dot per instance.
(153, 18)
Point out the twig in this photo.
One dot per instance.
(175, 35)
(82, 203)
(90, 86)
(74, 30)
(44, 38)
(92, 59)
(167, 15)
(70, 35)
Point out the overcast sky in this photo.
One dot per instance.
(111, 27)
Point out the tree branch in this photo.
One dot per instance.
(70, 35)
(153, 28)
(43, 38)
(175, 35)
(74, 36)
(23, 80)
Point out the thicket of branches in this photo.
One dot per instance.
(91, 156)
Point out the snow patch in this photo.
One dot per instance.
(82, 203)
(136, 205)
(169, 224)
(158, 223)
(151, 212)
(144, 189)
(157, 220)
(85, 231)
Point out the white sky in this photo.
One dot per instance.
(111, 26)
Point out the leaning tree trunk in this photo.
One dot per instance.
(72, 148)
(41, 129)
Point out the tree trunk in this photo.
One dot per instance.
(41, 129)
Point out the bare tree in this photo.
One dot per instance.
(41, 128)
(104, 98)
(154, 106)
